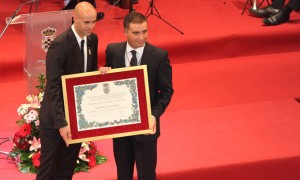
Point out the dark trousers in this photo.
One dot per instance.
(128, 151)
(278, 4)
(57, 160)
(294, 4)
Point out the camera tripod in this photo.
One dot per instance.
(150, 12)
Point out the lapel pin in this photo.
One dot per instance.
(90, 51)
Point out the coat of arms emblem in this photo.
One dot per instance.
(48, 37)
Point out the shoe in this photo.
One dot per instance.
(276, 19)
(100, 15)
(264, 12)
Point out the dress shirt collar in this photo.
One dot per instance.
(78, 37)
(139, 50)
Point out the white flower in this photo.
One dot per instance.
(37, 123)
(34, 101)
(35, 144)
(83, 157)
(23, 109)
(29, 98)
(84, 147)
(31, 116)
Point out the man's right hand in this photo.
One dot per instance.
(65, 134)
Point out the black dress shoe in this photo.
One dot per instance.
(100, 15)
(276, 19)
(264, 12)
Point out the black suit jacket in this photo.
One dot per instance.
(159, 77)
(63, 57)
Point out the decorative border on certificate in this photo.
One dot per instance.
(113, 105)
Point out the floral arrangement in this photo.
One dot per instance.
(26, 150)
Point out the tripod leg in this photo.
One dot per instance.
(261, 3)
(157, 12)
(246, 6)
(151, 7)
(169, 24)
(158, 15)
(146, 15)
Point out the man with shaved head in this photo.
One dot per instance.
(74, 51)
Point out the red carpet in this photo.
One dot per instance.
(233, 115)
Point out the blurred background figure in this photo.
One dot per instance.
(277, 12)
(268, 11)
(284, 14)
(70, 4)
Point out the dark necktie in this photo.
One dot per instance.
(82, 54)
(133, 61)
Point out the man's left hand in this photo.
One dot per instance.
(152, 125)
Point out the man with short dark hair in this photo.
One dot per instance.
(141, 149)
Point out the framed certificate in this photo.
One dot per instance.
(113, 105)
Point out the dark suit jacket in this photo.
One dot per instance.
(63, 57)
(159, 77)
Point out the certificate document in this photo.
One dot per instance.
(106, 106)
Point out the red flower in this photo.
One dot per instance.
(92, 161)
(93, 149)
(20, 141)
(93, 145)
(24, 145)
(36, 159)
(25, 130)
(17, 138)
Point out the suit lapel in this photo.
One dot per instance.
(146, 57)
(76, 49)
(120, 55)
(89, 53)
